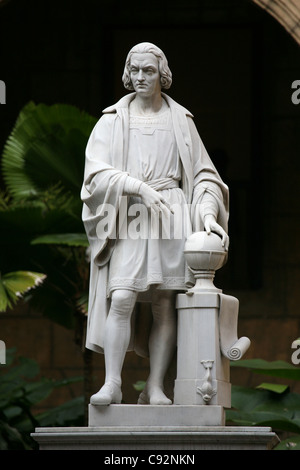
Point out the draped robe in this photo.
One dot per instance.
(104, 180)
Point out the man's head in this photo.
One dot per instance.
(148, 48)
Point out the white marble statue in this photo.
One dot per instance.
(145, 166)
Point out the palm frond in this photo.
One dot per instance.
(46, 147)
(15, 284)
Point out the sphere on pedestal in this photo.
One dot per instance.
(204, 251)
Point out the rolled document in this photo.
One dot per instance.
(231, 347)
(238, 349)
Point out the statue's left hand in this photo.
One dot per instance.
(211, 225)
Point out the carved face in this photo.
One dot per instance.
(144, 74)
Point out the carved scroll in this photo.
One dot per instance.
(231, 347)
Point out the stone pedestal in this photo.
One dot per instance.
(207, 340)
(202, 370)
(156, 417)
(207, 329)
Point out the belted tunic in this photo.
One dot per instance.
(167, 153)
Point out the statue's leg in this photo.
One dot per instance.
(162, 343)
(116, 341)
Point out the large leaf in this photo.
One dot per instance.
(69, 239)
(276, 388)
(273, 368)
(270, 419)
(291, 443)
(250, 399)
(13, 285)
(46, 146)
(40, 211)
(264, 407)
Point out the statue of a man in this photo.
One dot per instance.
(145, 150)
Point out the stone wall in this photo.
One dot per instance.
(287, 12)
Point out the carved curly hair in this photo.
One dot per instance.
(147, 47)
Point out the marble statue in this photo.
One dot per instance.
(148, 185)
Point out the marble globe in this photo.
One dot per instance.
(204, 251)
(204, 254)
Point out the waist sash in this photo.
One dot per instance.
(162, 183)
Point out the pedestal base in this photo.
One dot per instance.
(203, 374)
(122, 439)
(154, 418)
(146, 427)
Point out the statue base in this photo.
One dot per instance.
(147, 427)
(155, 417)
(122, 440)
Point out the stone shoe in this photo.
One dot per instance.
(109, 393)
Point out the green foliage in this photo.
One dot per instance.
(40, 209)
(268, 404)
(274, 368)
(139, 385)
(20, 391)
(42, 232)
(46, 146)
(14, 285)
(68, 239)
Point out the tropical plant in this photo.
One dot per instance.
(269, 404)
(42, 164)
(40, 210)
(14, 285)
(21, 390)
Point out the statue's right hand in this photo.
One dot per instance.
(153, 199)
